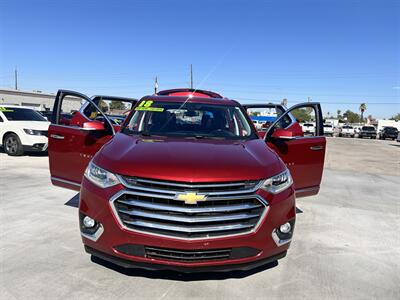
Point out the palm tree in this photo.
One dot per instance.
(338, 113)
(363, 107)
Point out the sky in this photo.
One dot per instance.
(340, 53)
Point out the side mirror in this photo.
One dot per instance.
(93, 126)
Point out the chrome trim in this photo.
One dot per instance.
(154, 254)
(189, 220)
(57, 137)
(221, 208)
(188, 230)
(121, 224)
(95, 236)
(185, 185)
(171, 192)
(304, 190)
(205, 251)
(64, 181)
(278, 241)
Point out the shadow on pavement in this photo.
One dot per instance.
(73, 202)
(177, 276)
(29, 153)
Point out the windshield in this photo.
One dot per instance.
(327, 125)
(391, 129)
(347, 127)
(189, 120)
(21, 114)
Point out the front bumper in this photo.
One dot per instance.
(95, 203)
(125, 263)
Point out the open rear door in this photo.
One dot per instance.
(75, 136)
(303, 155)
(264, 115)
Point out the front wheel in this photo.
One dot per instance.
(12, 145)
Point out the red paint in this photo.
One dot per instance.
(185, 160)
(96, 204)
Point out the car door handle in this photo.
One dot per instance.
(57, 137)
(316, 148)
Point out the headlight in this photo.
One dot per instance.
(100, 177)
(278, 183)
(33, 132)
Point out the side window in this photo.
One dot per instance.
(264, 117)
(1, 119)
(69, 114)
(306, 120)
(115, 109)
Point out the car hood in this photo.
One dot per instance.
(37, 125)
(189, 160)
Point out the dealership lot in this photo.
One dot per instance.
(346, 244)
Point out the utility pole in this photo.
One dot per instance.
(156, 85)
(16, 78)
(191, 76)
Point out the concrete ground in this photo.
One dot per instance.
(346, 245)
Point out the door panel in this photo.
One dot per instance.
(70, 150)
(303, 155)
(71, 146)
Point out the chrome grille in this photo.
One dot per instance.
(172, 187)
(156, 211)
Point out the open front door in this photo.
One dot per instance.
(303, 155)
(75, 136)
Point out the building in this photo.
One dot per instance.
(35, 99)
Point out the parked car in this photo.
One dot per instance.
(367, 132)
(308, 128)
(388, 133)
(328, 129)
(22, 129)
(163, 193)
(347, 130)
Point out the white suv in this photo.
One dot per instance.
(22, 129)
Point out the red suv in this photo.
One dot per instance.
(184, 181)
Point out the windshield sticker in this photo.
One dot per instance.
(147, 106)
(5, 109)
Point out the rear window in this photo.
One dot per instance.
(327, 125)
(347, 127)
(368, 128)
(21, 114)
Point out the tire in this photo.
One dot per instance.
(12, 145)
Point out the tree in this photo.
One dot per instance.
(302, 114)
(363, 107)
(396, 117)
(255, 113)
(117, 105)
(351, 117)
(338, 114)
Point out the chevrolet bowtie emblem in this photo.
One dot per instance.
(190, 197)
